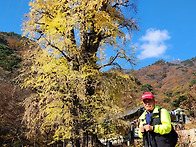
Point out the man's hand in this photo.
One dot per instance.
(142, 129)
(147, 128)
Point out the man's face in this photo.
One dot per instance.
(149, 104)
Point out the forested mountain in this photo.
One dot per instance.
(12, 50)
(173, 83)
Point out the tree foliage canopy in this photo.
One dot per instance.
(72, 96)
(78, 29)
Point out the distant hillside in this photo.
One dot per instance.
(166, 75)
(169, 80)
(12, 49)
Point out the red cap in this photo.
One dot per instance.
(147, 95)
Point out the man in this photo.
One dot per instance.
(155, 124)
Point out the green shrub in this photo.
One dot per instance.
(166, 100)
(177, 93)
(177, 102)
(193, 82)
(135, 80)
(2, 40)
(5, 50)
(168, 94)
(184, 70)
(193, 59)
(182, 98)
(179, 67)
(150, 76)
(159, 62)
(171, 64)
(188, 63)
(146, 88)
(8, 60)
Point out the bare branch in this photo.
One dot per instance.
(125, 4)
(46, 13)
(55, 47)
(112, 59)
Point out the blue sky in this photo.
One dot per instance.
(167, 28)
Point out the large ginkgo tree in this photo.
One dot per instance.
(73, 98)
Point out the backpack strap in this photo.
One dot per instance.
(160, 113)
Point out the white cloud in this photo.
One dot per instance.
(153, 43)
